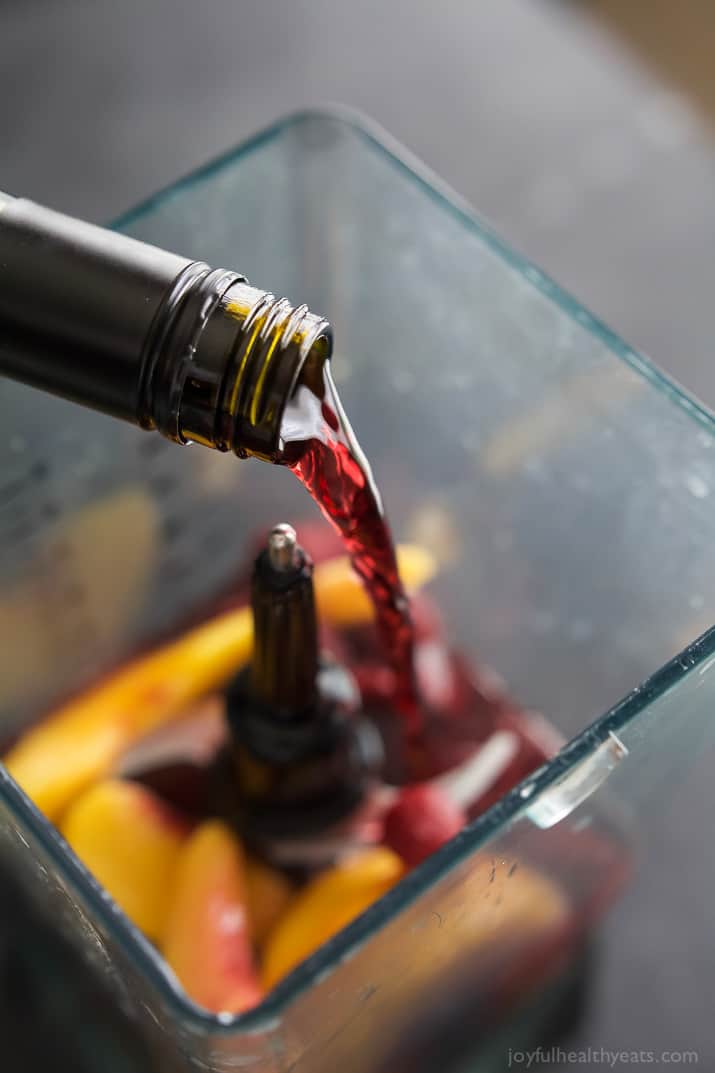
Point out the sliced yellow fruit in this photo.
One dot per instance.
(268, 894)
(207, 937)
(130, 840)
(326, 905)
(80, 742)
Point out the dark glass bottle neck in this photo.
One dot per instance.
(223, 360)
(145, 335)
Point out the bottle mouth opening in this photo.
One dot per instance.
(222, 361)
(275, 341)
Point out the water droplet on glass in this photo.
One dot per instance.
(697, 486)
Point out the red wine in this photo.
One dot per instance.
(321, 449)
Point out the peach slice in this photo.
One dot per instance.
(268, 893)
(82, 740)
(130, 840)
(327, 904)
(206, 938)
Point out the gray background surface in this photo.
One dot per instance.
(580, 157)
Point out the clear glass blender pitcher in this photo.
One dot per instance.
(573, 486)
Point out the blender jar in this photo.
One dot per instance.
(566, 489)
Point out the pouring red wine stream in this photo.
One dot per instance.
(320, 447)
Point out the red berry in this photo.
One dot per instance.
(421, 820)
